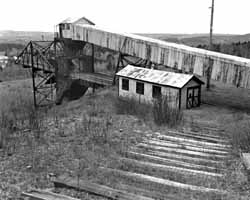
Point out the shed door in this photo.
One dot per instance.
(193, 97)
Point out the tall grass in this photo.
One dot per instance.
(161, 111)
(14, 72)
(239, 133)
(132, 107)
(18, 114)
(164, 113)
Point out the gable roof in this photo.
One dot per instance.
(78, 21)
(160, 77)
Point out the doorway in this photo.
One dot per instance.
(193, 97)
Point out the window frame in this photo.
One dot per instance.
(125, 88)
(159, 95)
(140, 87)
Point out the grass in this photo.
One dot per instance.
(227, 96)
(59, 140)
(160, 111)
(132, 107)
(165, 114)
(78, 137)
(14, 72)
(239, 133)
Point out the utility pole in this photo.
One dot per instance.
(209, 70)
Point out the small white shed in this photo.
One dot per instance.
(145, 85)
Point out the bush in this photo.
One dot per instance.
(165, 114)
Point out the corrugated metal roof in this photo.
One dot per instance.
(160, 77)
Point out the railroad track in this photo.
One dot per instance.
(168, 165)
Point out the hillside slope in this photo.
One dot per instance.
(199, 39)
(22, 37)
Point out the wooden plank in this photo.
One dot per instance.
(149, 193)
(187, 143)
(183, 157)
(35, 194)
(208, 144)
(167, 168)
(201, 126)
(182, 151)
(184, 146)
(168, 161)
(211, 135)
(199, 137)
(97, 189)
(192, 145)
(164, 182)
(246, 160)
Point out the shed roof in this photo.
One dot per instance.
(160, 77)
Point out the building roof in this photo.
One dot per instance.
(107, 34)
(160, 77)
(78, 21)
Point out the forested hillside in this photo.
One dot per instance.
(241, 49)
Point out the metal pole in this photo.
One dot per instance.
(209, 69)
(33, 74)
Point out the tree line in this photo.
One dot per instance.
(241, 49)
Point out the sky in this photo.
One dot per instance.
(134, 16)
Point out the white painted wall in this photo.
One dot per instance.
(172, 93)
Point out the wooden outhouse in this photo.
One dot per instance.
(145, 85)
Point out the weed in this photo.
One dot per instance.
(161, 111)
(164, 113)
(132, 107)
(239, 133)
(19, 114)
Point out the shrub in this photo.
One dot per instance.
(163, 113)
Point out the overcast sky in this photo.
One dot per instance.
(137, 16)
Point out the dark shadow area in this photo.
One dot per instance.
(75, 91)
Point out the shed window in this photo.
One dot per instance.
(139, 88)
(156, 91)
(66, 26)
(125, 84)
